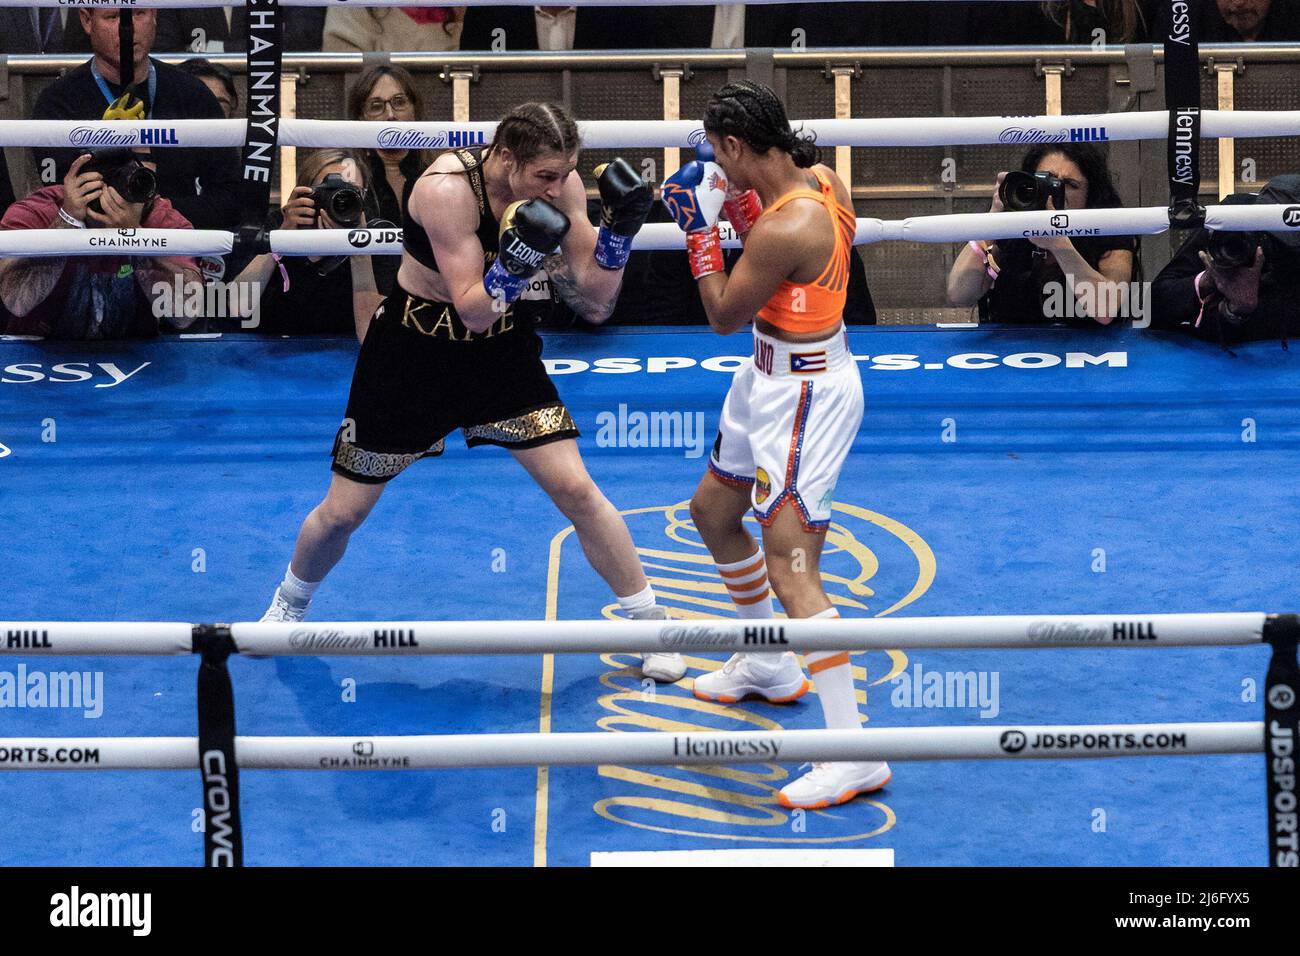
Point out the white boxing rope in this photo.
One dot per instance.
(105, 134)
(115, 242)
(655, 236)
(339, 242)
(361, 134)
(811, 634)
(1266, 217)
(647, 748)
(958, 227)
(418, 638)
(652, 134)
(41, 638)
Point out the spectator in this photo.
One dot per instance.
(389, 94)
(30, 30)
(201, 184)
(303, 294)
(508, 29)
(1255, 299)
(916, 23)
(1064, 21)
(92, 297)
(1249, 21)
(219, 82)
(390, 29)
(201, 30)
(1027, 281)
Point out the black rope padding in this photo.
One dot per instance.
(1180, 23)
(223, 835)
(262, 131)
(126, 51)
(1281, 734)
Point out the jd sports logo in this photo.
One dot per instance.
(1013, 741)
(1291, 216)
(1281, 696)
(359, 238)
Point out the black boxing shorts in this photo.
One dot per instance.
(421, 373)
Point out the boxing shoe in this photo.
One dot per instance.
(282, 609)
(776, 680)
(662, 668)
(830, 784)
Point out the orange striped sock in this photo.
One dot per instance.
(746, 583)
(833, 673)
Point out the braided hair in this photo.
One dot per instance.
(531, 129)
(754, 114)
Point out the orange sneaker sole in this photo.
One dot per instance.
(723, 699)
(822, 805)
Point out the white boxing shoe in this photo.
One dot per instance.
(663, 668)
(830, 784)
(282, 609)
(745, 675)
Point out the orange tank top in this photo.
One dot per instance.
(817, 305)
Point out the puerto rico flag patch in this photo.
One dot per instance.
(807, 362)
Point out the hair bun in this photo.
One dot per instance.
(804, 152)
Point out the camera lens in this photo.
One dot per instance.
(141, 185)
(1232, 250)
(345, 206)
(1020, 192)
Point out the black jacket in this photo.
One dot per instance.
(1175, 304)
(203, 184)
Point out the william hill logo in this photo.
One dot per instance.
(1133, 631)
(871, 566)
(17, 640)
(765, 635)
(394, 639)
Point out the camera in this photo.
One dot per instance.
(1233, 250)
(339, 199)
(1026, 192)
(123, 170)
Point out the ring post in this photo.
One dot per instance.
(223, 834)
(1281, 731)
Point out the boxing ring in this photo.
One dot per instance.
(137, 512)
(1121, 470)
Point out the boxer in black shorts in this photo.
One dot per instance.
(493, 239)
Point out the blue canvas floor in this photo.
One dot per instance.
(1072, 473)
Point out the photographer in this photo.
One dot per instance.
(314, 294)
(1235, 286)
(1048, 279)
(202, 183)
(95, 297)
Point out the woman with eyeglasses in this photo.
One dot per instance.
(389, 94)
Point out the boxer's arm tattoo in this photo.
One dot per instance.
(566, 286)
(26, 283)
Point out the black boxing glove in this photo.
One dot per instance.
(530, 230)
(625, 201)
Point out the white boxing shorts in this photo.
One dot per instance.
(788, 424)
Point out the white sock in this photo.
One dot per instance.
(746, 582)
(639, 605)
(833, 673)
(295, 589)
